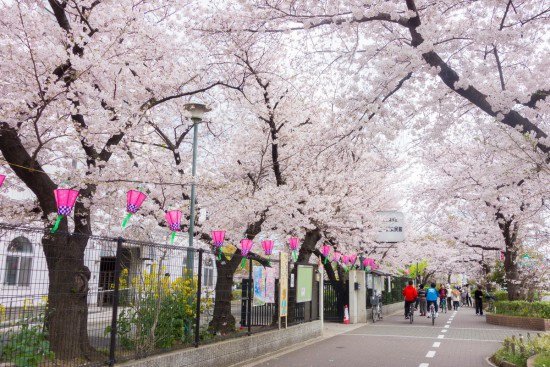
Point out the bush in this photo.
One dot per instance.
(160, 314)
(28, 346)
(523, 308)
(518, 350)
(501, 296)
(543, 360)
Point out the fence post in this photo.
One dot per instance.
(250, 296)
(116, 294)
(198, 315)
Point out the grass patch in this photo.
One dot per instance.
(543, 360)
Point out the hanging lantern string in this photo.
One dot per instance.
(141, 182)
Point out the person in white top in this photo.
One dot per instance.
(455, 296)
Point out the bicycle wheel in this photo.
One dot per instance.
(411, 317)
(380, 314)
(433, 318)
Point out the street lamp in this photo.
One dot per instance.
(197, 110)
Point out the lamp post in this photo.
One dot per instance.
(197, 110)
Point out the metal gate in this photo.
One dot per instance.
(334, 301)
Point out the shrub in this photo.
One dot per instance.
(28, 346)
(501, 296)
(160, 313)
(543, 360)
(523, 308)
(518, 350)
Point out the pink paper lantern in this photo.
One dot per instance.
(2, 178)
(65, 200)
(325, 251)
(134, 199)
(336, 256)
(218, 237)
(267, 246)
(294, 244)
(246, 246)
(345, 260)
(352, 259)
(173, 217)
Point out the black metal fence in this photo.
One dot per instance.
(73, 300)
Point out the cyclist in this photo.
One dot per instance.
(431, 298)
(410, 294)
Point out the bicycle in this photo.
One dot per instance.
(432, 313)
(376, 308)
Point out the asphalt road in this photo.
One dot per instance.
(459, 339)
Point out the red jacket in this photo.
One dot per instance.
(410, 293)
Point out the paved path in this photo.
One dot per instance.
(458, 339)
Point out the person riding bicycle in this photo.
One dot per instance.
(432, 295)
(410, 294)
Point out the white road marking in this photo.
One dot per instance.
(423, 365)
(447, 326)
(444, 330)
(436, 344)
(430, 354)
(448, 322)
(422, 337)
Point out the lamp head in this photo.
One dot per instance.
(197, 110)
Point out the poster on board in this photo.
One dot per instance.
(305, 283)
(264, 285)
(283, 284)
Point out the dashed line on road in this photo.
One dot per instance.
(423, 365)
(430, 354)
(447, 326)
(444, 330)
(436, 344)
(421, 337)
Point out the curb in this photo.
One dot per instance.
(489, 363)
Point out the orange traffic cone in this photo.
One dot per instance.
(346, 315)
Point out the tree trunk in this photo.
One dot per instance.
(67, 308)
(223, 320)
(509, 230)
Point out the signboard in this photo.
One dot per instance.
(264, 285)
(283, 284)
(305, 283)
(392, 226)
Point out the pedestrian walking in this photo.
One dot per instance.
(455, 296)
(469, 296)
(478, 297)
(442, 298)
(464, 296)
(423, 303)
(449, 296)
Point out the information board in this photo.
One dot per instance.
(283, 284)
(305, 283)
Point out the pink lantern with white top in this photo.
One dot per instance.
(218, 237)
(134, 199)
(294, 244)
(325, 251)
(246, 246)
(368, 264)
(2, 178)
(173, 217)
(336, 256)
(65, 200)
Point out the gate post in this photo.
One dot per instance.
(357, 297)
(116, 295)
(322, 296)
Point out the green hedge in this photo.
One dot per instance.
(501, 296)
(523, 308)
